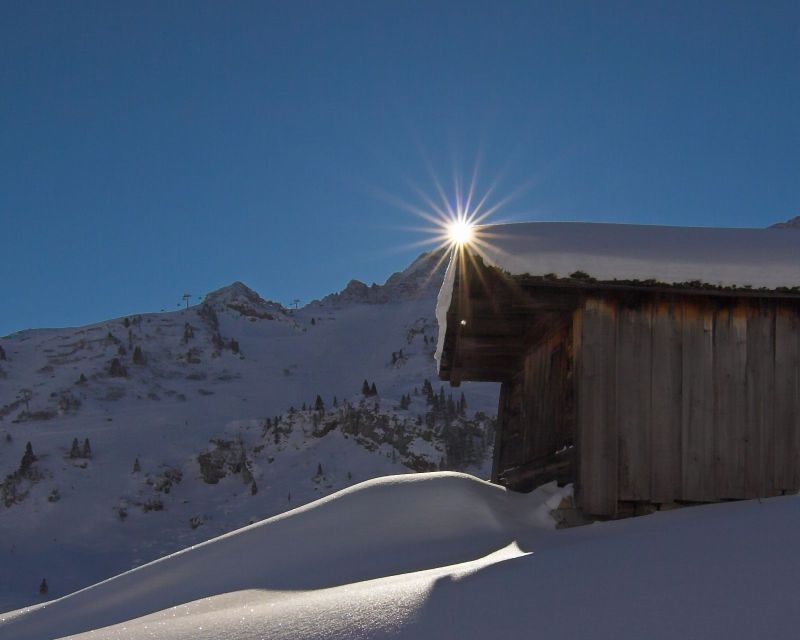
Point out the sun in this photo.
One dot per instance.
(459, 232)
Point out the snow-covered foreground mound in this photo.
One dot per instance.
(385, 527)
(448, 556)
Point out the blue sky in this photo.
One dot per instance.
(152, 148)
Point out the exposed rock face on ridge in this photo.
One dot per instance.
(239, 297)
(793, 223)
(422, 278)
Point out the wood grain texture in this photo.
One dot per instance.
(697, 437)
(730, 415)
(787, 402)
(597, 427)
(666, 402)
(634, 364)
(759, 431)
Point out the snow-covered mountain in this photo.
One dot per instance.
(792, 223)
(155, 432)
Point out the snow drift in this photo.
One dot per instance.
(444, 555)
(384, 527)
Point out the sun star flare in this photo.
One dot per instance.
(460, 232)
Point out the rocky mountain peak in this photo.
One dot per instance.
(422, 278)
(792, 223)
(239, 297)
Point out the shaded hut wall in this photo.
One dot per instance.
(537, 411)
(685, 399)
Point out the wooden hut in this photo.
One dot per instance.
(647, 365)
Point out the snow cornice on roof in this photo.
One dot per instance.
(702, 259)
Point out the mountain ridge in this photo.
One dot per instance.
(200, 420)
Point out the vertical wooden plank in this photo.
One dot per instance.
(730, 358)
(597, 432)
(787, 401)
(577, 367)
(666, 393)
(633, 396)
(511, 433)
(697, 438)
(542, 429)
(560, 411)
(502, 425)
(759, 434)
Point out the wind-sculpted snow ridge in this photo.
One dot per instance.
(385, 527)
(438, 556)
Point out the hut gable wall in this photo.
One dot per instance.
(685, 400)
(638, 393)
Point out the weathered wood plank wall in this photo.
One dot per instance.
(596, 402)
(634, 401)
(730, 406)
(665, 401)
(692, 400)
(697, 441)
(536, 412)
(787, 401)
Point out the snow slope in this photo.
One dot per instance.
(215, 383)
(445, 555)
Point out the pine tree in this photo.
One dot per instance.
(2, 353)
(462, 405)
(253, 488)
(319, 469)
(335, 402)
(319, 405)
(451, 407)
(28, 458)
(365, 388)
(126, 322)
(43, 588)
(136, 466)
(75, 451)
(116, 370)
(138, 356)
(373, 390)
(130, 339)
(87, 449)
(122, 351)
(82, 379)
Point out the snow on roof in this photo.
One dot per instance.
(758, 258)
